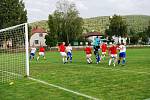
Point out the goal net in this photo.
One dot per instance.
(14, 61)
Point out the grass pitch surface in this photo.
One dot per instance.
(129, 82)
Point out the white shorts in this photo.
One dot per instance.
(114, 55)
(41, 54)
(103, 53)
(63, 54)
(88, 55)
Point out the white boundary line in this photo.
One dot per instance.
(52, 85)
(137, 72)
(123, 70)
(114, 69)
(65, 89)
(74, 92)
(147, 99)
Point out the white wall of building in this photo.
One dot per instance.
(36, 37)
(91, 38)
(119, 39)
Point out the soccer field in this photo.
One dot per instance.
(129, 82)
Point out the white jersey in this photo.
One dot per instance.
(33, 50)
(68, 48)
(122, 48)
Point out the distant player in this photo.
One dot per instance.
(88, 52)
(103, 48)
(32, 52)
(62, 50)
(69, 52)
(96, 53)
(96, 42)
(96, 47)
(113, 54)
(122, 54)
(41, 52)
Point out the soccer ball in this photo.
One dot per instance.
(11, 83)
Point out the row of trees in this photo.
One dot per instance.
(119, 27)
(140, 37)
(64, 24)
(12, 12)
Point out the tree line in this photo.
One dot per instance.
(65, 24)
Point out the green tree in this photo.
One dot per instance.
(117, 26)
(12, 12)
(134, 39)
(143, 36)
(148, 30)
(50, 40)
(65, 23)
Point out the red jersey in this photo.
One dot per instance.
(42, 49)
(88, 50)
(104, 47)
(62, 48)
(113, 50)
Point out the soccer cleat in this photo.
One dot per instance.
(114, 65)
(103, 58)
(37, 59)
(118, 61)
(123, 64)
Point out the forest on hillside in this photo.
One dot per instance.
(136, 23)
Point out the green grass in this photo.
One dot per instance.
(129, 82)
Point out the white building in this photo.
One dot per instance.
(92, 35)
(38, 37)
(119, 39)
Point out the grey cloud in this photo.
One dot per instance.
(89, 8)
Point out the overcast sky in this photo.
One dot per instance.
(40, 9)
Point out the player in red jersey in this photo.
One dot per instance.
(41, 52)
(88, 52)
(103, 48)
(62, 50)
(113, 54)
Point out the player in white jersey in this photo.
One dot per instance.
(122, 53)
(69, 52)
(32, 53)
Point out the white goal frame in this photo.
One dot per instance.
(26, 45)
(27, 50)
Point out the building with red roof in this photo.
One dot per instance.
(38, 36)
(91, 35)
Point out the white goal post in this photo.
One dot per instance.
(27, 49)
(14, 52)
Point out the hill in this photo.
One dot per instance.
(135, 22)
(43, 24)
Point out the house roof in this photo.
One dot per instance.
(92, 34)
(38, 30)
